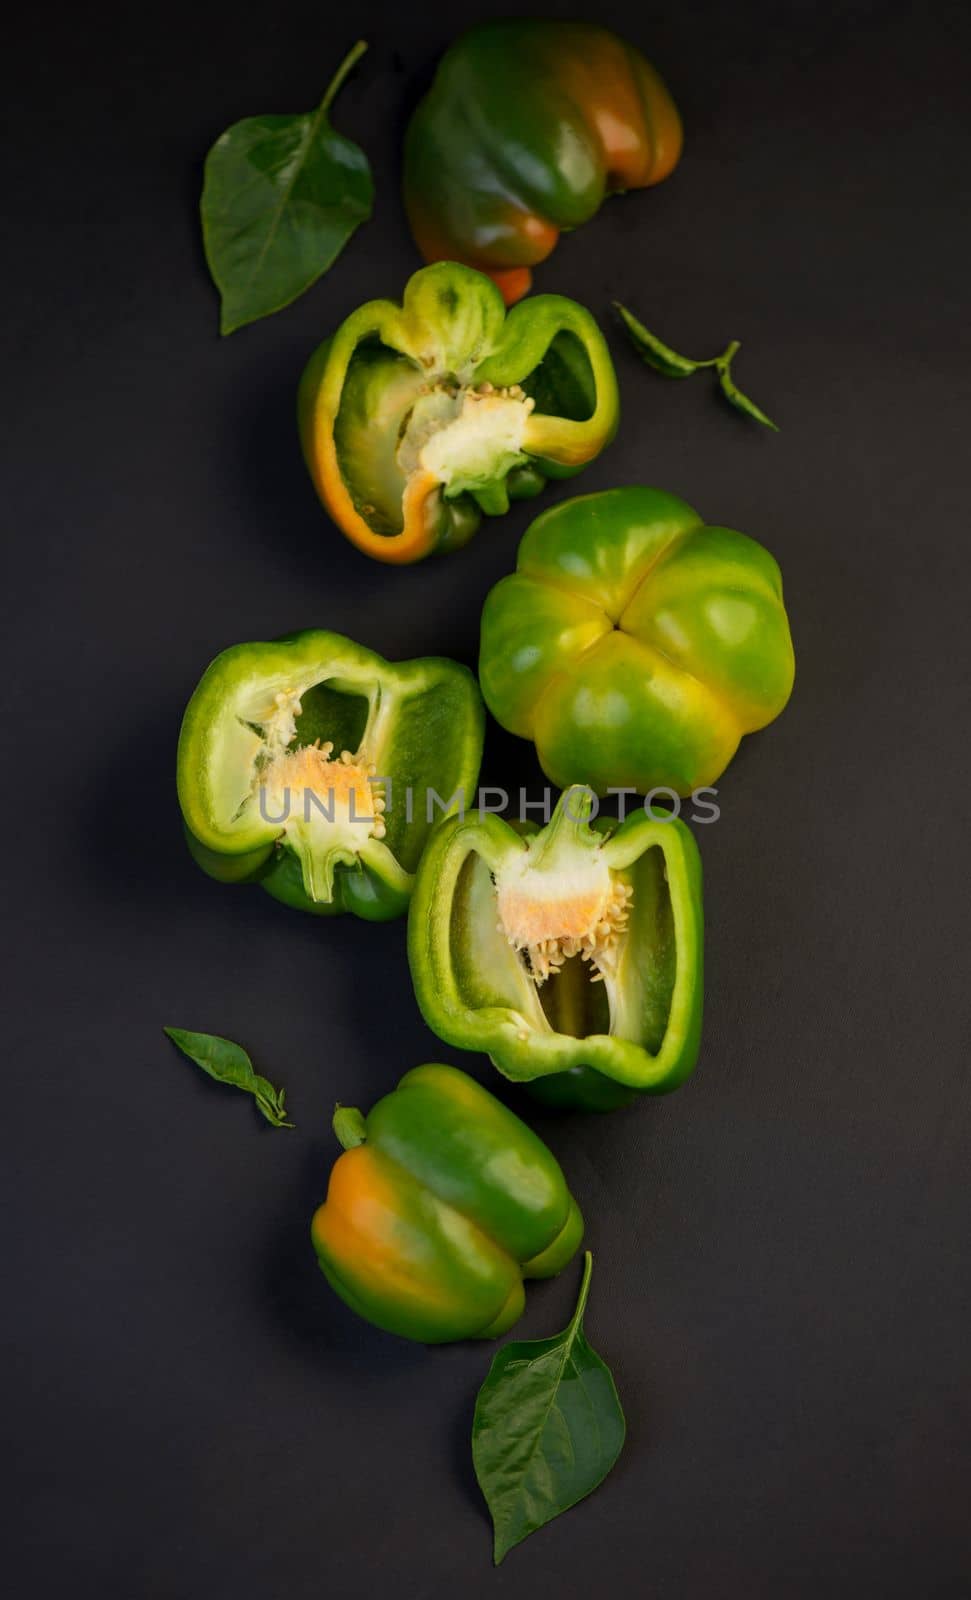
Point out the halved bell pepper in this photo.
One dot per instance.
(416, 419)
(634, 645)
(524, 131)
(441, 1205)
(571, 955)
(296, 759)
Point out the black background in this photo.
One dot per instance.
(780, 1278)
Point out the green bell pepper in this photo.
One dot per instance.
(292, 754)
(526, 128)
(416, 419)
(441, 1205)
(572, 955)
(634, 645)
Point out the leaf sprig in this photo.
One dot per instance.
(228, 1063)
(547, 1429)
(670, 364)
(281, 196)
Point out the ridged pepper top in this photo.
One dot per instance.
(634, 644)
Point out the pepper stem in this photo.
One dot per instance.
(349, 1126)
(341, 75)
(567, 827)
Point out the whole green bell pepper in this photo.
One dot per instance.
(526, 128)
(441, 1205)
(416, 419)
(634, 645)
(572, 955)
(291, 756)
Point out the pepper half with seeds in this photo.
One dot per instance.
(571, 955)
(316, 767)
(417, 419)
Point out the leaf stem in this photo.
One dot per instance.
(724, 361)
(584, 1290)
(340, 76)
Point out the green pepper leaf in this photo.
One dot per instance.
(672, 365)
(270, 1102)
(228, 1063)
(281, 196)
(548, 1427)
(733, 393)
(651, 349)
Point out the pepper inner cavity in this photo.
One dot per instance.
(398, 419)
(465, 437)
(557, 910)
(322, 802)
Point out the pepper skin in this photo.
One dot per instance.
(416, 419)
(294, 761)
(525, 130)
(634, 645)
(572, 955)
(441, 1205)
